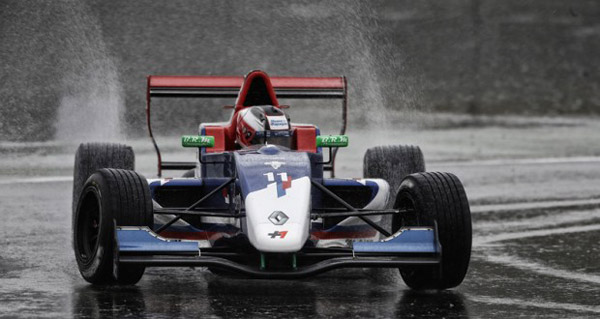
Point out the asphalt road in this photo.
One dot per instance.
(535, 196)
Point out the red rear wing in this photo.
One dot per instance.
(229, 86)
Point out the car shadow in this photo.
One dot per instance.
(339, 295)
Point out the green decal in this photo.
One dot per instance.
(332, 141)
(197, 141)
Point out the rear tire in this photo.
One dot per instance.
(437, 198)
(109, 196)
(91, 157)
(393, 163)
(189, 173)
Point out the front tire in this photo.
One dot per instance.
(109, 196)
(437, 198)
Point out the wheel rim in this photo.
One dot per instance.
(405, 201)
(88, 226)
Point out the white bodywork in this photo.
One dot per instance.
(273, 181)
(263, 234)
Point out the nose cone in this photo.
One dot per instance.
(271, 183)
(284, 239)
(279, 223)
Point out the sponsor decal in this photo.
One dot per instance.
(332, 141)
(275, 164)
(197, 141)
(283, 185)
(278, 123)
(280, 234)
(283, 182)
(278, 217)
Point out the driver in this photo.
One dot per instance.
(265, 124)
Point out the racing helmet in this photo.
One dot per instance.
(264, 124)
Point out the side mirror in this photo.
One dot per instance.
(332, 141)
(197, 141)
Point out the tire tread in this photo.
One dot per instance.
(442, 198)
(130, 204)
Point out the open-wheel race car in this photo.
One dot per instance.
(257, 201)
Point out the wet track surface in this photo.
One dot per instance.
(536, 218)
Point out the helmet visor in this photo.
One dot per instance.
(282, 138)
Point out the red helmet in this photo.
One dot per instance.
(264, 124)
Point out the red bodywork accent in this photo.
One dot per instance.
(220, 133)
(287, 184)
(245, 85)
(249, 82)
(210, 81)
(305, 138)
(176, 81)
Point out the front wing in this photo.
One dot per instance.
(409, 246)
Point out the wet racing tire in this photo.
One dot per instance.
(189, 173)
(109, 197)
(393, 163)
(437, 198)
(91, 157)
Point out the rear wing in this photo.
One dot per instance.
(229, 86)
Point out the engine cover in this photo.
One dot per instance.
(275, 185)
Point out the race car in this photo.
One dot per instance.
(261, 200)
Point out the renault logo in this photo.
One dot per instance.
(274, 164)
(278, 217)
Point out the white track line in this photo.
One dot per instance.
(524, 161)
(524, 264)
(545, 221)
(484, 240)
(36, 180)
(536, 304)
(511, 261)
(533, 205)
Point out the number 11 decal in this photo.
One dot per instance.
(284, 182)
(271, 177)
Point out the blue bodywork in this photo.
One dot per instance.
(142, 240)
(253, 166)
(416, 240)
